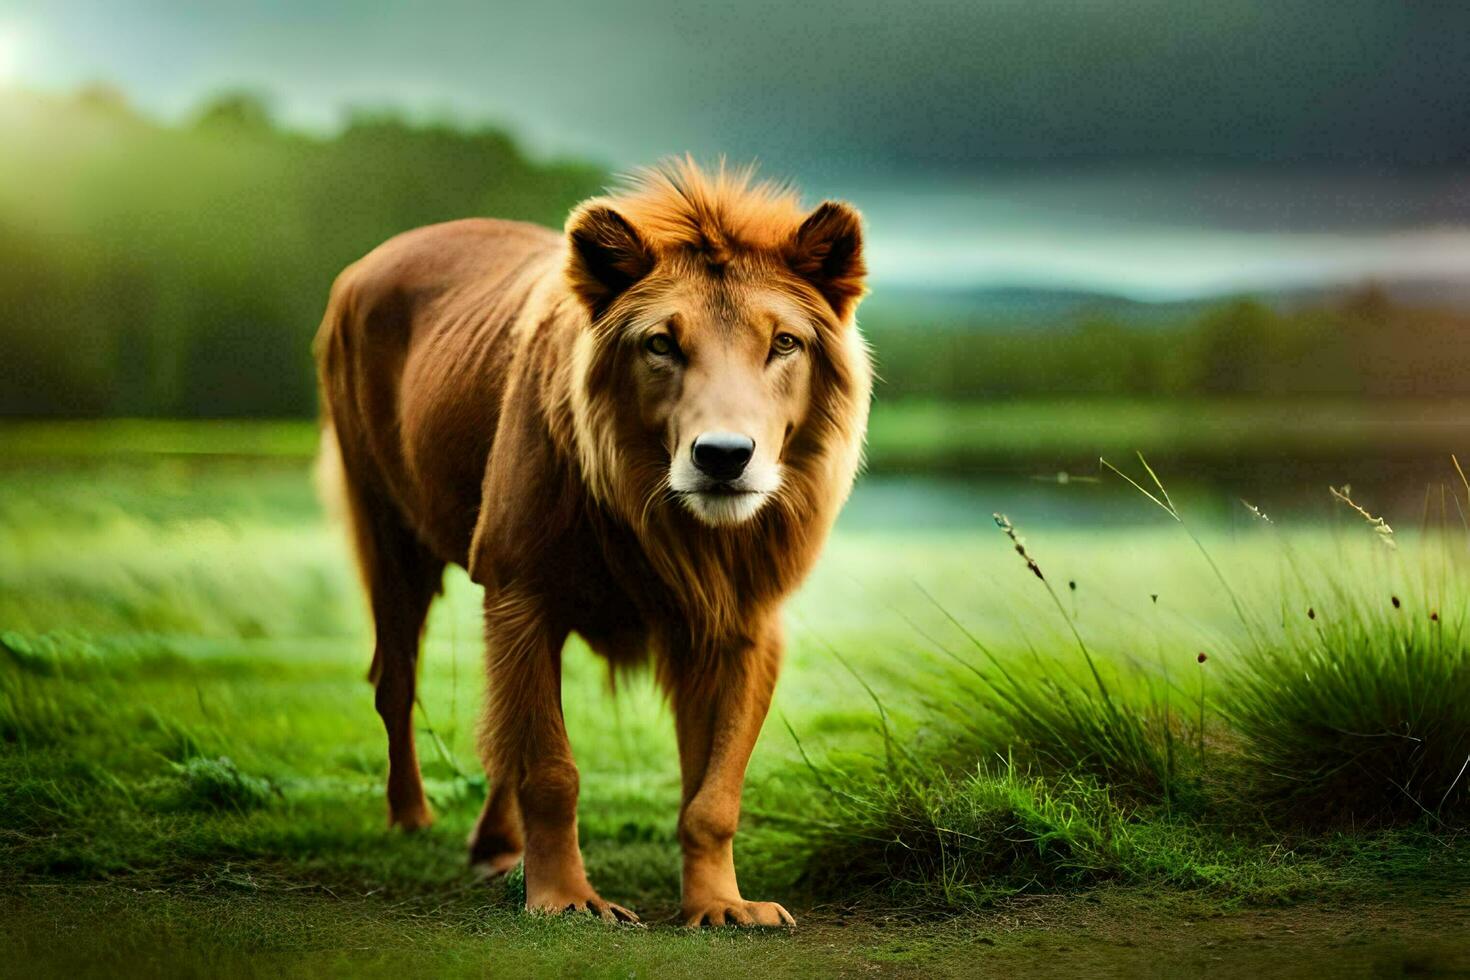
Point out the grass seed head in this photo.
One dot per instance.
(1256, 512)
(1004, 523)
(1379, 525)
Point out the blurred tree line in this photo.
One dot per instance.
(1358, 345)
(182, 270)
(156, 270)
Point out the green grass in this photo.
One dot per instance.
(183, 714)
(113, 437)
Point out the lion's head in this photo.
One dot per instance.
(722, 371)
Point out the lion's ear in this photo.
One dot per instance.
(607, 256)
(827, 251)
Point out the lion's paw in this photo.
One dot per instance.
(557, 904)
(737, 912)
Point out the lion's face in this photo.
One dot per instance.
(702, 364)
(722, 372)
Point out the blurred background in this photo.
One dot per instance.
(1234, 236)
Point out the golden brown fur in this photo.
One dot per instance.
(524, 404)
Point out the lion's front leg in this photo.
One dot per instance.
(525, 746)
(718, 719)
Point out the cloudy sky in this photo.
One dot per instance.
(1157, 147)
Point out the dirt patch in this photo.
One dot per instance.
(1129, 934)
(83, 930)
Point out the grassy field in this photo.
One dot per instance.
(966, 761)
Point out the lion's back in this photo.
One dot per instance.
(414, 354)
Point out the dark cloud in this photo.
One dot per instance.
(1163, 148)
(959, 86)
(825, 87)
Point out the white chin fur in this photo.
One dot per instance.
(723, 509)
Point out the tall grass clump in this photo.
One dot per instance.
(920, 837)
(1064, 723)
(1358, 709)
(217, 784)
(1365, 716)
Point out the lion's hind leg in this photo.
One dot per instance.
(402, 578)
(497, 842)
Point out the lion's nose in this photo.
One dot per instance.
(722, 455)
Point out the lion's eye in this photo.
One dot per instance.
(785, 344)
(659, 345)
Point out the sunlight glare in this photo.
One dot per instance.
(10, 52)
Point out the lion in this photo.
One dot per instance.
(640, 431)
